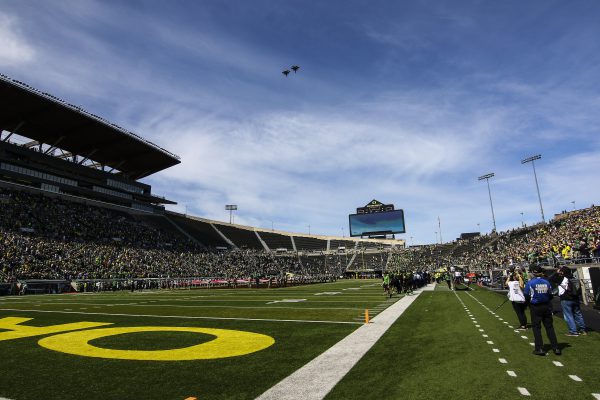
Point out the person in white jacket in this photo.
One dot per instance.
(517, 298)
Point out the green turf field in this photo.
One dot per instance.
(434, 350)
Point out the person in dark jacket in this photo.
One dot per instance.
(569, 301)
(539, 291)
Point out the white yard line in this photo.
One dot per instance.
(316, 379)
(200, 300)
(204, 306)
(184, 317)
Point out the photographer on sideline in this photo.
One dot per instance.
(515, 285)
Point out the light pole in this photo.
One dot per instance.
(436, 239)
(522, 221)
(478, 228)
(231, 208)
(309, 229)
(440, 228)
(487, 179)
(573, 205)
(532, 160)
(343, 235)
(411, 241)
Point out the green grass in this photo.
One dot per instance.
(33, 372)
(432, 351)
(435, 351)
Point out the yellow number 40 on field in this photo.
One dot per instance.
(227, 342)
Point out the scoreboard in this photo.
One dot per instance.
(376, 219)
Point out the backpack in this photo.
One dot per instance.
(573, 287)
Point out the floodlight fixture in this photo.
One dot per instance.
(532, 158)
(486, 176)
(231, 208)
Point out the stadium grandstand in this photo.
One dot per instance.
(75, 212)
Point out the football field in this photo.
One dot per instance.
(238, 344)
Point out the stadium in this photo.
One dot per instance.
(125, 262)
(109, 290)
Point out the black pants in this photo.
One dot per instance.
(542, 313)
(520, 311)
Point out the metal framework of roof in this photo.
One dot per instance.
(50, 121)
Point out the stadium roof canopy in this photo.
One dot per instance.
(50, 121)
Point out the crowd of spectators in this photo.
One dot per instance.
(569, 238)
(50, 238)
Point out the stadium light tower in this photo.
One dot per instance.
(487, 179)
(532, 161)
(522, 220)
(231, 208)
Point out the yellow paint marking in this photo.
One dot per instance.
(227, 343)
(16, 331)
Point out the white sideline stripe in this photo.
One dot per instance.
(496, 350)
(524, 337)
(557, 363)
(575, 378)
(429, 288)
(502, 360)
(511, 373)
(182, 316)
(596, 396)
(490, 342)
(315, 380)
(524, 391)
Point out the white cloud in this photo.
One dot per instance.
(14, 47)
(319, 159)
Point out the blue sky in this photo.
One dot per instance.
(403, 102)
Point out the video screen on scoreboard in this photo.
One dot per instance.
(377, 223)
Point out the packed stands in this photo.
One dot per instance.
(48, 237)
